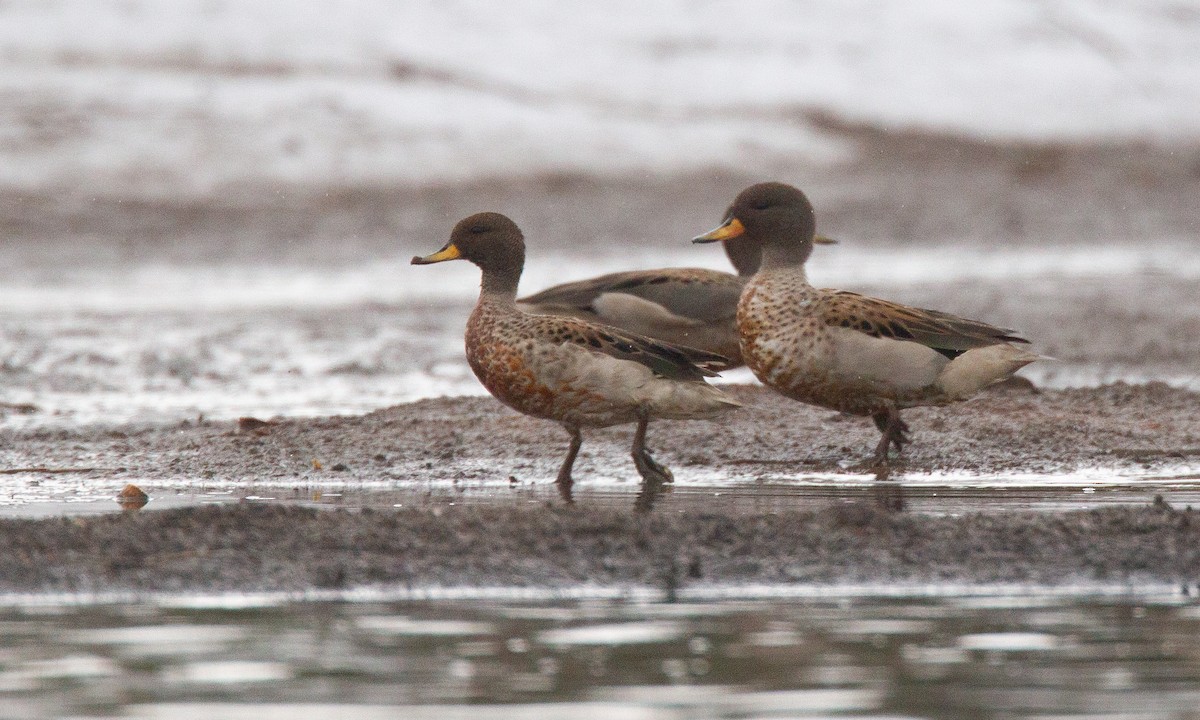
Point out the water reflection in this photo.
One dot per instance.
(965, 657)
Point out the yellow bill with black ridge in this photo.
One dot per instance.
(450, 252)
(731, 228)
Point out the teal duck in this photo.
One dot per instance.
(571, 371)
(845, 351)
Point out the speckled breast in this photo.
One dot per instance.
(785, 343)
(499, 358)
(507, 361)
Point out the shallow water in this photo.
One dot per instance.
(932, 493)
(962, 655)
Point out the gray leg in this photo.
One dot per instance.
(894, 430)
(646, 467)
(564, 480)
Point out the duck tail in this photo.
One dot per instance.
(979, 367)
(689, 400)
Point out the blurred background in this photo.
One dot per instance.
(207, 207)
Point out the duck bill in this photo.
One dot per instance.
(731, 228)
(450, 252)
(822, 240)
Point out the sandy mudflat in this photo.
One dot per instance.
(470, 533)
(476, 440)
(473, 478)
(250, 548)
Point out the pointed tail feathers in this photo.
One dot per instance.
(979, 367)
(687, 400)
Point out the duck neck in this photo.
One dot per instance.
(500, 287)
(781, 255)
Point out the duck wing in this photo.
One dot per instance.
(674, 362)
(948, 334)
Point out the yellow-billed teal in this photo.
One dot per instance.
(576, 373)
(845, 351)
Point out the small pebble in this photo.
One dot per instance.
(132, 497)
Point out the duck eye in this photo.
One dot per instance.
(478, 229)
(762, 205)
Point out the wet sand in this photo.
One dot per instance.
(901, 186)
(273, 548)
(528, 537)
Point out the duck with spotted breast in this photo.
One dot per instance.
(576, 373)
(845, 351)
(694, 307)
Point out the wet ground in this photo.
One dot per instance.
(466, 486)
(138, 332)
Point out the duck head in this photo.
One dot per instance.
(774, 217)
(492, 242)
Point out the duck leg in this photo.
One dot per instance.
(564, 479)
(646, 466)
(894, 430)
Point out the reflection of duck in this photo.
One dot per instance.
(694, 307)
(565, 369)
(846, 351)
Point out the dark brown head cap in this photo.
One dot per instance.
(774, 217)
(775, 212)
(489, 240)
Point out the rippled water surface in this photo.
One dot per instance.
(964, 656)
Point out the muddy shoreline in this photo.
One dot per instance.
(528, 538)
(1005, 429)
(277, 548)
(449, 455)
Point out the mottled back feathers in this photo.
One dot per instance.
(667, 361)
(948, 334)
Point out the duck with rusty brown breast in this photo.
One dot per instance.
(576, 373)
(693, 307)
(845, 351)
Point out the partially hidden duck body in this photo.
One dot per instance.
(689, 306)
(845, 351)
